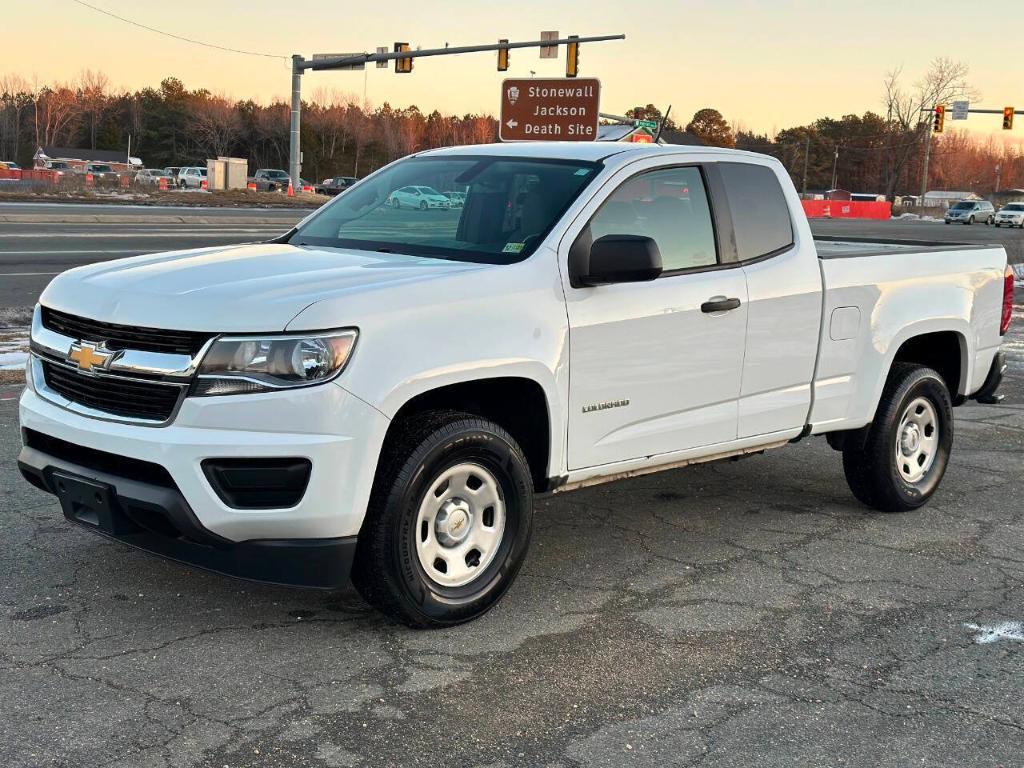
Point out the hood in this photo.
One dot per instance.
(241, 288)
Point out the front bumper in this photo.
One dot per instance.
(153, 515)
(339, 434)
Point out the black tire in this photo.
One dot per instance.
(970, 221)
(872, 471)
(423, 205)
(387, 570)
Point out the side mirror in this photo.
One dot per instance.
(621, 259)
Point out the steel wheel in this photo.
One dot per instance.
(460, 525)
(917, 440)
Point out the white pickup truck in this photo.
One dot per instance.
(380, 393)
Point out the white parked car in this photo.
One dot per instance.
(1011, 214)
(368, 398)
(192, 177)
(418, 197)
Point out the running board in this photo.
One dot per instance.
(640, 471)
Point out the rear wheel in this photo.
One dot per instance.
(904, 457)
(449, 521)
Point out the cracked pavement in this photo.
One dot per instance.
(738, 613)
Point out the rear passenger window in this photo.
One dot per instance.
(671, 207)
(760, 215)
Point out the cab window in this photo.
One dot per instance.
(760, 213)
(670, 206)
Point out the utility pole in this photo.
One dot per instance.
(300, 65)
(807, 152)
(999, 175)
(835, 168)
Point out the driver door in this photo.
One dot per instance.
(655, 367)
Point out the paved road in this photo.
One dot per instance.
(32, 253)
(143, 211)
(736, 614)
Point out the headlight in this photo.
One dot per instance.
(242, 364)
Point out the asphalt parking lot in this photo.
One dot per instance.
(739, 613)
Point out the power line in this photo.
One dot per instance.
(177, 37)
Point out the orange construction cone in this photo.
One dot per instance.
(291, 192)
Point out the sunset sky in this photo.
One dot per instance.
(767, 65)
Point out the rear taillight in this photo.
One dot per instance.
(1004, 323)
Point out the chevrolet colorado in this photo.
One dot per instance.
(379, 393)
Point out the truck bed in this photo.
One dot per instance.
(850, 247)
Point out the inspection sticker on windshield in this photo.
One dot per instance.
(582, 172)
(513, 247)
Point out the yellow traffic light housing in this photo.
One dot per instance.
(940, 119)
(572, 58)
(1008, 118)
(502, 57)
(403, 65)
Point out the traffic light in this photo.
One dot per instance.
(940, 118)
(403, 65)
(1008, 118)
(502, 57)
(572, 58)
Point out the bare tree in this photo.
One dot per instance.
(15, 98)
(214, 125)
(56, 110)
(907, 110)
(93, 100)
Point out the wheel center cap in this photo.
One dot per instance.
(910, 440)
(453, 522)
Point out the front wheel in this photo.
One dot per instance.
(970, 221)
(423, 205)
(904, 457)
(449, 521)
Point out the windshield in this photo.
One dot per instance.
(102, 168)
(510, 205)
(1014, 207)
(963, 206)
(276, 174)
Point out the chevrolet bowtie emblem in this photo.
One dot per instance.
(88, 357)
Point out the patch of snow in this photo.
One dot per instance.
(915, 217)
(1007, 630)
(13, 361)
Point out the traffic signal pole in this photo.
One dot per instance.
(300, 65)
(939, 112)
(294, 152)
(924, 162)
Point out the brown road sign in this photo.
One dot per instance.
(556, 109)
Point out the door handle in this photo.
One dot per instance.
(719, 305)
